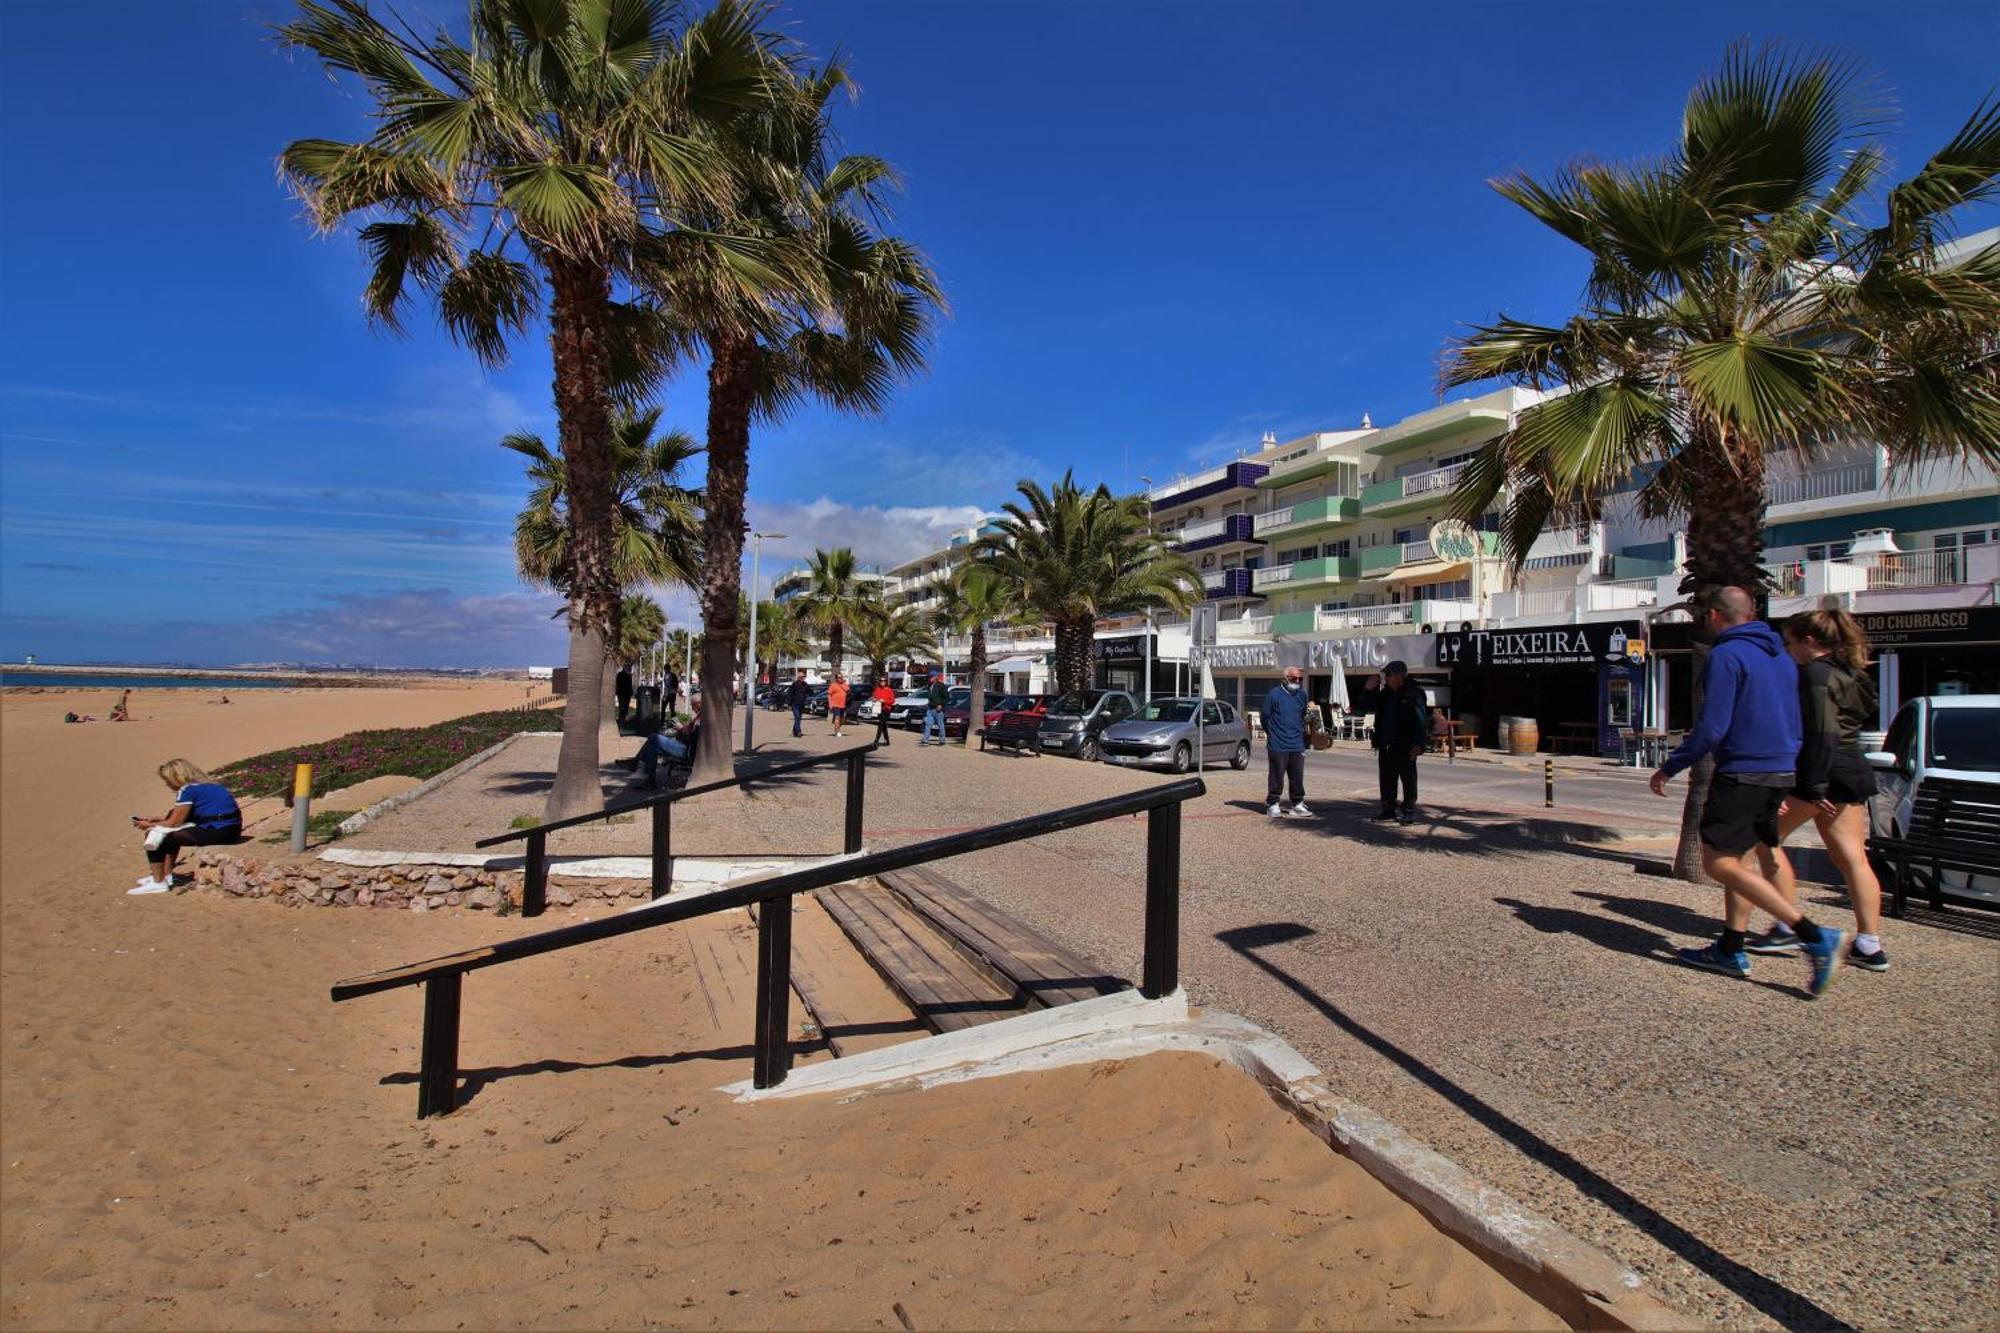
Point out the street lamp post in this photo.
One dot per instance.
(1146, 642)
(750, 693)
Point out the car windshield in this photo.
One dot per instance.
(1015, 703)
(1076, 703)
(1967, 738)
(1168, 710)
(958, 698)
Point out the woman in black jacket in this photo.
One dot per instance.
(1833, 782)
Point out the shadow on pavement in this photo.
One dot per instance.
(1772, 1298)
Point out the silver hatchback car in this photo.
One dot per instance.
(1165, 732)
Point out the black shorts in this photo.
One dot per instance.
(1852, 781)
(1739, 815)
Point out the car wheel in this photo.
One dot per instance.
(1241, 759)
(1090, 751)
(1183, 758)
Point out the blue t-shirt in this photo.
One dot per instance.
(213, 806)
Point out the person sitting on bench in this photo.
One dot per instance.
(203, 814)
(677, 745)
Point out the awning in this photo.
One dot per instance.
(1013, 664)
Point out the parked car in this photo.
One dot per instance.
(908, 710)
(1075, 720)
(816, 701)
(1035, 704)
(957, 711)
(1020, 730)
(1940, 745)
(1166, 732)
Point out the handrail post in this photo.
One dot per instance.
(535, 875)
(663, 857)
(857, 783)
(437, 1076)
(1163, 901)
(772, 1059)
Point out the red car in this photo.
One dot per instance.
(1028, 708)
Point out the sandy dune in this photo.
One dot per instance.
(195, 1137)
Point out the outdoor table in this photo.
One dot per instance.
(1575, 737)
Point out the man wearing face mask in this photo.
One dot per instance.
(1402, 729)
(1285, 744)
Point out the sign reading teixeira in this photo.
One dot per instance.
(1555, 645)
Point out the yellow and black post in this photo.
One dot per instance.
(1548, 783)
(302, 787)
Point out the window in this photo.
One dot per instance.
(1902, 740)
(1342, 548)
(1967, 738)
(1828, 550)
(1408, 535)
(1211, 716)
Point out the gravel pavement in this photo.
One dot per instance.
(1511, 999)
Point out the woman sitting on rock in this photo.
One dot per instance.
(203, 813)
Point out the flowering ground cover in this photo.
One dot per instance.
(417, 752)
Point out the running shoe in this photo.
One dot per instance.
(1873, 962)
(1274, 811)
(1826, 955)
(1300, 811)
(1778, 939)
(146, 886)
(1382, 818)
(1714, 959)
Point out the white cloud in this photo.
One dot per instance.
(881, 536)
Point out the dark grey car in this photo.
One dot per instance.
(1164, 734)
(1075, 720)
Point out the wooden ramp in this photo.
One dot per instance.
(954, 958)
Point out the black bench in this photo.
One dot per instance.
(1954, 829)
(1014, 731)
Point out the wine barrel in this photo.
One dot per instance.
(1524, 735)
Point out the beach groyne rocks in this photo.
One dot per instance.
(415, 887)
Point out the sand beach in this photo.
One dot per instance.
(196, 1138)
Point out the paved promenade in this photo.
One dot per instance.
(1763, 1158)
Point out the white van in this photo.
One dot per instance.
(1939, 747)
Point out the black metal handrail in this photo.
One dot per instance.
(441, 977)
(535, 873)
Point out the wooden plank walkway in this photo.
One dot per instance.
(945, 986)
(1043, 970)
(855, 1009)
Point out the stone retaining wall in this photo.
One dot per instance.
(418, 888)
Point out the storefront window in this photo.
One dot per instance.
(1618, 702)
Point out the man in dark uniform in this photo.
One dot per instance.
(1402, 729)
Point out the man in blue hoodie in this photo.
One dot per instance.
(1750, 723)
(1285, 744)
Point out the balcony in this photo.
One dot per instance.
(1384, 561)
(1315, 464)
(1216, 481)
(1570, 600)
(1222, 583)
(1308, 516)
(1851, 475)
(1396, 617)
(1230, 530)
(1485, 415)
(1412, 491)
(1244, 627)
(1325, 571)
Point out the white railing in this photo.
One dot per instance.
(1824, 483)
(1611, 594)
(1786, 580)
(1911, 569)
(1244, 627)
(1200, 532)
(1277, 518)
(1362, 617)
(1535, 602)
(1265, 578)
(1164, 489)
(1415, 551)
(1437, 479)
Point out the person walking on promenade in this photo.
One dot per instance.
(622, 686)
(1750, 722)
(1833, 783)
(1402, 728)
(836, 701)
(796, 695)
(885, 699)
(1285, 745)
(935, 699)
(670, 692)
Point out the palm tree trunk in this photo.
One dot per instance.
(1073, 639)
(579, 315)
(834, 646)
(1725, 547)
(729, 392)
(976, 717)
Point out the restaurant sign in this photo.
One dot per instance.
(1556, 645)
(1951, 625)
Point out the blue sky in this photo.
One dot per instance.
(1164, 227)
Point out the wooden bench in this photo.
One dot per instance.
(1954, 828)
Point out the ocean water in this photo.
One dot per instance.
(113, 682)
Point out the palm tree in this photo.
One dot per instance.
(779, 635)
(883, 632)
(546, 151)
(970, 600)
(1736, 307)
(640, 621)
(1071, 557)
(832, 310)
(834, 597)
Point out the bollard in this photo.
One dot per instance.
(1549, 784)
(302, 787)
